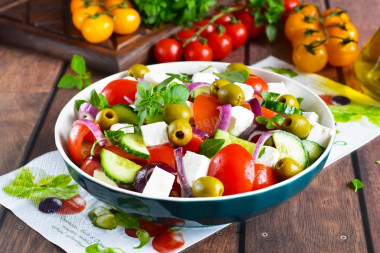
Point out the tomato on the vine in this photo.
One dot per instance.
(249, 22)
(310, 57)
(341, 51)
(110, 3)
(98, 28)
(305, 35)
(257, 83)
(73, 206)
(298, 21)
(237, 32)
(168, 241)
(120, 91)
(226, 18)
(209, 28)
(197, 51)
(343, 30)
(185, 34)
(167, 50)
(125, 20)
(80, 13)
(309, 9)
(334, 16)
(220, 44)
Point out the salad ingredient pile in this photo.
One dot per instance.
(202, 134)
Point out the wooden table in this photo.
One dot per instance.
(326, 217)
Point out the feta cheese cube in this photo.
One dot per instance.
(279, 88)
(129, 78)
(159, 184)
(312, 117)
(320, 134)
(125, 127)
(155, 133)
(204, 77)
(195, 166)
(247, 90)
(158, 77)
(270, 156)
(241, 119)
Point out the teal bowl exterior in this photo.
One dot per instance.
(195, 212)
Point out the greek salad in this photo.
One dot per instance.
(205, 134)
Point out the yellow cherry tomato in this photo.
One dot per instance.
(126, 20)
(97, 29)
(343, 30)
(307, 36)
(110, 3)
(308, 9)
(75, 4)
(82, 12)
(298, 21)
(341, 51)
(334, 16)
(310, 57)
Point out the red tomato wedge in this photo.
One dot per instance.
(162, 153)
(233, 166)
(206, 114)
(268, 113)
(78, 134)
(120, 91)
(257, 83)
(264, 177)
(193, 145)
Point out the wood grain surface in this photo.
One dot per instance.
(326, 217)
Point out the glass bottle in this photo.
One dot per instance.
(367, 66)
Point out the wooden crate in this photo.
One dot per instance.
(46, 27)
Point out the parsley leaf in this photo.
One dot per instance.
(270, 123)
(80, 80)
(234, 76)
(283, 71)
(356, 184)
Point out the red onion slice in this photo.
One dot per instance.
(250, 130)
(88, 111)
(94, 129)
(185, 187)
(260, 143)
(193, 86)
(255, 107)
(198, 132)
(224, 117)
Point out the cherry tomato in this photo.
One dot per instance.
(82, 12)
(226, 18)
(193, 145)
(78, 136)
(118, 90)
(168, 50)
(233, 166)
(257, 83)
(298, 21)
(110, 3)
(185, 34)
(75, 4)
(289, 5)
(306, 36)
(264, 177)
(267, 113)
(196, 51)
(73, 206)
(308, 59)
(334, 16)
(237, 32)
(206, 114)
(97, 29)
(162, 153)
(125, 20)
(152, 228)
(343, 30)
(220, 44)
(168, 241)
(309, 9)
(90, 164)
(208, 30)
(341, 51)
(249, 22)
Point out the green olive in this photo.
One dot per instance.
(231, 94)
(208, 187)
(180, 132)
(297, 125)
(238, 66)
(175, 111)
(216, 85)
(157, 118)
(286, 168)
(290, 100)
(138, 71)
(106, 118)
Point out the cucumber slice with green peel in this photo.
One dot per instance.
(291, 146)
(314, 149)
(125, 113)
(97, 211)
(133, 144)
(230, 139)
(105, 221)
(118, 168)
(280, 107)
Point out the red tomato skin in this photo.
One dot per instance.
(206, 114)
(162, 153)
(257, 83)
(185, 34)
(193, 145)
(196, 51)
(209, 29)
(73, 206)
(289, 5)
(267, 113)
(238, 34)
(226, 18)
(168, 241)
(167, 50)
(249, 22)
(90, 164)
(116, 90)
(264, 177)
(233, 166)
(152, 228)
(220, 44)
(75, 140)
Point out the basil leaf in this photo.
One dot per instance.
(69, 81)
(300, 100)
(234, 76)
(272, 32)
(269, 95)
(164, 83)
(143, 236)
(78, 64)
(262, 152)
(283, 71)
(378, 162)
(357, 184)
(78, 103)
(179, 94)
(126, 220)
(261, 120)
(278, 118)
(98, 100)
(209, 147)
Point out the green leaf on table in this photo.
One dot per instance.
(143, 236)
(234, 76)
(78, 65)
(357, 184)
(96, 248)
(69, 81)
(283, 71)
(378, 162)
(209, 147)
(355, 112)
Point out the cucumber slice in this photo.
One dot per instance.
(280, 107)
(97, 211)
(105, 221)
(133, 144)
(125, 113)
(314, 149)
(118, 168)
(230, 139)
(291, 146)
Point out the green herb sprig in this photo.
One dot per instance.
(97, 100)
(234, 76)
(270, 123)
(82, 78)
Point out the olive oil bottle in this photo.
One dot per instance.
(367, 67)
